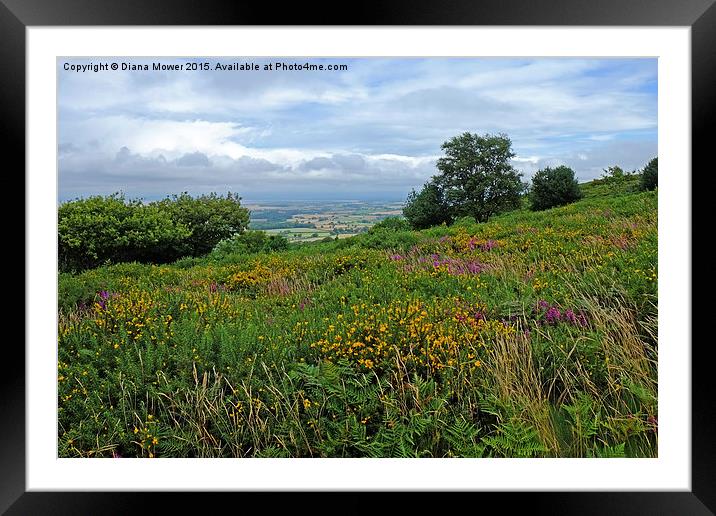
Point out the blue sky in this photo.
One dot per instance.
(372, 132)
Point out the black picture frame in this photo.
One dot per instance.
(700, 15)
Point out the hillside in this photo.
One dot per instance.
(534, 334)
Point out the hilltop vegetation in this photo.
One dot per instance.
(477, 179)
(111, 229)
(531, 335)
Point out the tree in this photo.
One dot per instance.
(649, 176)
(427, 208)
(554, 187)
(476, 177)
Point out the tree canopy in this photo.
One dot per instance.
(475, 179)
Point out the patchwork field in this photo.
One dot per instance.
(310, 221)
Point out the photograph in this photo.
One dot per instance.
(358, 257)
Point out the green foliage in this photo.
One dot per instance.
(514, 438)
(258, 354)
(427, 208)
(649, 176)
(476, 177)
(99, 229)
(250, 242)
(584, 419)
(113, 229)
(463, 438)
(616, 177)
(609, 452)
(465, 222)
(604, 187)
(395, 240)
(211, 218)
(390, 224)
(554, 187)
(391, 233)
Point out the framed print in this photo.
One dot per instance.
(421, 249)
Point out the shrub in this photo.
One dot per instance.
(113, 229)
(211, 218)
(391, 224)
(99, 229)
(250, 242)
(427, 208)
(554, 187)
(386, 240)
(464, 222)
(615, 175)
(649, 176)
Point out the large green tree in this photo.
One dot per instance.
(476, 177)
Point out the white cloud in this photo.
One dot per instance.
(376, 128)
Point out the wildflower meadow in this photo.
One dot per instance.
(531, 335)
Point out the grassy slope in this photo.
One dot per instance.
(531, 335)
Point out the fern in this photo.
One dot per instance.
(515, 438)
(462, 439)
(273, 452)
(606, 452)
(492, 405)
(583, 417)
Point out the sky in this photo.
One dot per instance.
(372, 131)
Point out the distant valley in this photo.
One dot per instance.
(306, 221)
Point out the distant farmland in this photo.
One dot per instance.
(310, 221)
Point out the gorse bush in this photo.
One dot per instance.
(649, 176)
(554, 187)
(113, 229)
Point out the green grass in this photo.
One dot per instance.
(610, 187)
(438, 343)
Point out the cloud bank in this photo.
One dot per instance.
(371, 132)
